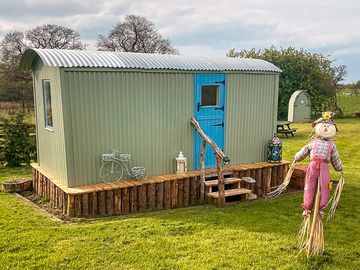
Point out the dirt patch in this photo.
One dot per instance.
(43, 204)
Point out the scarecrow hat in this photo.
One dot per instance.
(327, 117)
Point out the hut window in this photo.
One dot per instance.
(210, 95)
(47, 104)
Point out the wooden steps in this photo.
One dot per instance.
(227, 181)
(230, 192)
(237, 190)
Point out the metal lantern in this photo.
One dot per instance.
(181, 163)
(274, 151)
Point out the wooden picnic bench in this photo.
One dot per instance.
(283, 127)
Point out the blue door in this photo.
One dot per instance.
(209, 108)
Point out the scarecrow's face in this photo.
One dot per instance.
(325, 130)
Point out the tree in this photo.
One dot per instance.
(15, 83)
(51, 36)
(355, 89)
(301, 70)
(135, 34)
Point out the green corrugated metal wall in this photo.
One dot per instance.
(251, 112)
(51, 144)
(144, 114)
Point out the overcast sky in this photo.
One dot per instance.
(209, 28)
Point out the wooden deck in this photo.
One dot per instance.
(154, 193)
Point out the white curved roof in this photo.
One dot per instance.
(126, 60)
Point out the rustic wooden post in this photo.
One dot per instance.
(274, 173)
(71, 206)
(280, 175)
(85, 204)
(102, 203)
(151, 196)
(268, 180)
(186, 192)
(220, 173)
(94, 207)
(258, 182)
(109, 202)
(167, 202)
(133, 199)
(117, 201)
(174, 193)
(181, 192)
(202, 170)
(159, 188)
(220, 156)
(142, 203)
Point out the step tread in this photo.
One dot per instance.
(215, 182)
(230, 192)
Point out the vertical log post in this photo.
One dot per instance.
(268, 180)
(258, 182)
(220, 156)
(202, 170)
(220, 173)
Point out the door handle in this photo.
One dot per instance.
(220, 108)
(218, 125)
(198, 106)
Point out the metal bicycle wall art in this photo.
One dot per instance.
(114, 165)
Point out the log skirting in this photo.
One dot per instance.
(154, 193)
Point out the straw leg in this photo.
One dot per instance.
(314, 222)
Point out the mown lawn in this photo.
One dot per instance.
(251, 235)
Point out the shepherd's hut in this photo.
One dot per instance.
(88, 103)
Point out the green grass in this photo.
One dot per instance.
(251, 235)
(348, 104)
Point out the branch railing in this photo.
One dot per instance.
(220, 157)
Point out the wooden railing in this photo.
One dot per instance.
(220, 157)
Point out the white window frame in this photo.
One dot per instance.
(47, 125)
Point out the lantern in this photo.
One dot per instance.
(274, 150)
(181, 163)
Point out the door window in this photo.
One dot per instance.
(209, 95)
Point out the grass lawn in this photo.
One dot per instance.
(349, 104)
(252, 235)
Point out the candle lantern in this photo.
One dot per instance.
(181, 163)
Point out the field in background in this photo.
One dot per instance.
(251, 235)
(349, 104)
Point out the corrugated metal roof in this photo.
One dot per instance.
(126, 60)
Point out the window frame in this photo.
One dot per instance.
(217, 97)
(46, 122)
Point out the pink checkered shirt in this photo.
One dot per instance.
(321, 152)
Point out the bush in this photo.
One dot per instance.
(17, 147)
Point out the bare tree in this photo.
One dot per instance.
(135, 34)
(15, 83)
(338, 74)
(51, 36)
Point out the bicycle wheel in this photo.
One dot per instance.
(111, 171)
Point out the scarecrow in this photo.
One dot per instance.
(322, 151)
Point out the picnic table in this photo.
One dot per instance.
(283, 127)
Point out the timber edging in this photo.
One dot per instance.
(154, 193)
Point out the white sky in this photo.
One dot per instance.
(209, 27)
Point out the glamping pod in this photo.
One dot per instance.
(299, 107)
